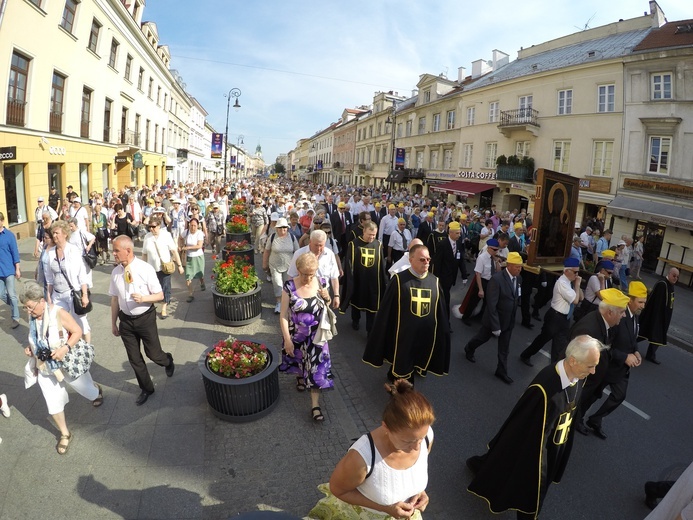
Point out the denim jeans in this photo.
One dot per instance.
(165, 282)
(8, 294)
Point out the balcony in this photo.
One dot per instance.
(84, 129)
(128, 137)
(182, 154)
(520, 119)
(15, 112)
(55, 124)
(508, 173)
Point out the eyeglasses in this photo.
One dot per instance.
(31, 310)
(153, 227)
(425, 260)
(328, 232)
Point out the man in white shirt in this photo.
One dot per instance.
(388, 225)
(134, 288)
(327, 262)
(556, 327)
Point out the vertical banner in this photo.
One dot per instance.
(399, 159)
(319, 164)
(233, 160)
(217, 145)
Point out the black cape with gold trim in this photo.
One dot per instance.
(510, 476)
(365, 276)
(411, 328)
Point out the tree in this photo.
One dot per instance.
(279, 168)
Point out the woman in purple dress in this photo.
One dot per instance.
(304, 299)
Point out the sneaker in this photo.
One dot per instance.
(269, 279)
(4, 408)
(277, 308)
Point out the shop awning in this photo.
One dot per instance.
(463, 187)
(665, 214)
(395, 176)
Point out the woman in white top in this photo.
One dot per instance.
(45, 333)
(82, 240)
(158, 248)
(192, 240)
(66, 272)
(388, 481)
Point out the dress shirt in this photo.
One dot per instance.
(388, 225)
(327, 264)
(563, 295)
(483, 265)
(144, 281)
(396, 240)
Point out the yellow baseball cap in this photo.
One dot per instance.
(514, 258)
(518, 225)
(614, 297)
(391, 206)
(341, 205)
(454, 226)
(431, 214)
(463, 216)
(637, 290)
(609, 254)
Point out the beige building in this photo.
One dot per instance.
(86, 103)
(654, 198)
(345, 145)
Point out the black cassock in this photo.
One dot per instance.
(532, 448)
(365, 276)
(411, 328)
(655, 318)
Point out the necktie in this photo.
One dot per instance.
(343, 223)
(454, 249)
(514, 285)
(404, 241)
(493, 266)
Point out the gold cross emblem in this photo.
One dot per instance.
(563, 428)
(420, 301)
(367, 256)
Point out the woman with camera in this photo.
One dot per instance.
(67, 272)
(52, 334)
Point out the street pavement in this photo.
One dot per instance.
(171, 458)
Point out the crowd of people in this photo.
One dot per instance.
(385, 253)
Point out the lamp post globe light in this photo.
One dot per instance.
(233, 93)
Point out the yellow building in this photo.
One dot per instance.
(87, 100)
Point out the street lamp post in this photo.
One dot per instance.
(235, 93)
(393, 123)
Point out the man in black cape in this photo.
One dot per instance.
(533, 446)
(411, 328)
(656, 317)
(365, 277)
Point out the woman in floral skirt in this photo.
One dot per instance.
(303, 302)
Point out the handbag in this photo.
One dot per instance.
(89, 255)
(166, 267)
(78, 359)
(80, 309)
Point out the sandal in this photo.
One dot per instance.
(189, 299)
(203, 287)
(317, 417)
(99, 399)
(63, 444)
(300, 384)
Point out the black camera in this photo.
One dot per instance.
(43, 354)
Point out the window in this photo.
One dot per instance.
(128, 67)
(436, 122)
(16, 92)
(377, 155)
(147, 124)
(419, 160)
(661, 86)
(107, 121)
(399, 129)
(601, 158)
(605, 98)
(56, 106)
(69, 13)
(491, 154)
(150, 89)
(471, 112)
(113, 59)
(522, 149)
(493, 111)
(94, 35)
(86, 109)
(433, 163)
(427, 96)
(467, 157)
(37, 3)
(165, 100)
(370, 131)
(659, 155)
(422, 125)
(140, 79)
(380, 129)
(565, 102)
(561, 156)
(158, 95)
(408, 130)
(447, 159)
(451, 119)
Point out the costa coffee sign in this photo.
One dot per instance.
(8, 153)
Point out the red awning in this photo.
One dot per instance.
(463, 187)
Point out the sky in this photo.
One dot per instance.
(299, 64)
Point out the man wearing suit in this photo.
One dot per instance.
(330, 206)
(378, 213)
(448, 259)
(624, 356)
(426, 228)
(502, 299)
(600, 324)
(341, 224)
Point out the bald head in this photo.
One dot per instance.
(673, 275)
(415, 242)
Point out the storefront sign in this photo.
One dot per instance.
(57, 150)
(669, 188)
(596, 185)
(8, 153)
(441, 176)
(121, 160)
(137, 161)
(486, 176)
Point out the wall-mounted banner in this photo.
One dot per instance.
(399, 159)
(233, 160)
(217, 145)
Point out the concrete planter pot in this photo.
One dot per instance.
(236, 310)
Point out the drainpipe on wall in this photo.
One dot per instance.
(3, 4)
